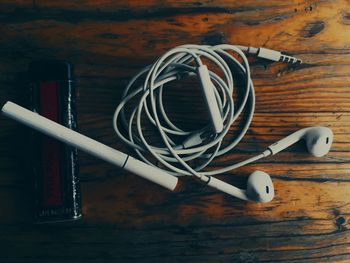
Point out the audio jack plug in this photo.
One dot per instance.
(274, 55)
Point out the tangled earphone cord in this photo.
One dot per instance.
(205, 144)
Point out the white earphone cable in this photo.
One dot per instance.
(205, 143)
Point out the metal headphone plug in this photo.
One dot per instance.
(290, 59)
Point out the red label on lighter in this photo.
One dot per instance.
(51, 150)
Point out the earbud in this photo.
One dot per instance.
(318, 141)
(259, 187)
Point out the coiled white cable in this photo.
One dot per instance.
(205, 143)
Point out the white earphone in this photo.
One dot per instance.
(205, 143)
(259, 188)
(318, 141)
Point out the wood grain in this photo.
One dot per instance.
(128, 219)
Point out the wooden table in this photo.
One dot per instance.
(129, 219)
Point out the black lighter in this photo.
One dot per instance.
(55, 165)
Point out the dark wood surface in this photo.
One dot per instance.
(129, 219)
